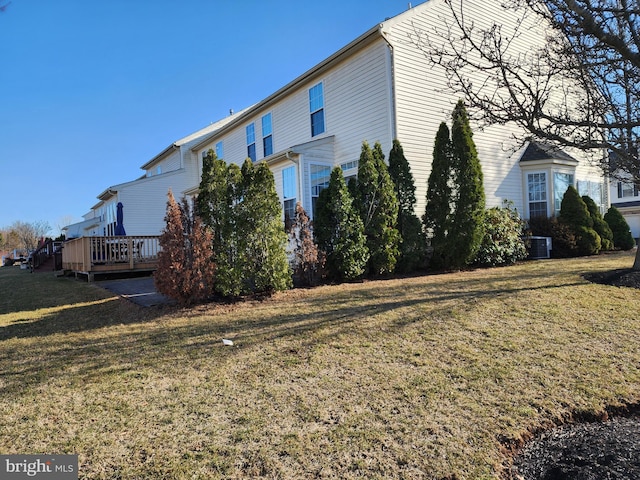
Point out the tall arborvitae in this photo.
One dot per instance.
(264, 238)
(383, 238)
(185, 268)
(465, 230)
(242, 208)
(412, 241)
(216, 204)
(437, 215)
(229, 277)
(378, 206)
(339, 232)
(213, 203)
(365, 188)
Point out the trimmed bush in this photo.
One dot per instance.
(575, 214)
(622, 237)
(599, 225)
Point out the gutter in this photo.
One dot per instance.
(159, 156)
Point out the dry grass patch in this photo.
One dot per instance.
(424, 377)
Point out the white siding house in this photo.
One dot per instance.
(379, 87)
(625, 196)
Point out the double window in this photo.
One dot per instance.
(251, 141)
(316, 109)
(267, 135)
(627, 190)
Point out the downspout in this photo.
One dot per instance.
(393, 121)
(296, 161)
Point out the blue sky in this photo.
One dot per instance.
(91, 90)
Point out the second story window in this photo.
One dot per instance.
(316, 109)
(219, 150)
(251, 141)
(267, 135)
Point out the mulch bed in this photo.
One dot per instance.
(586, 451)
(624, 277)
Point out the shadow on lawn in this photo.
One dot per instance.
(78, 317)
(307, 320)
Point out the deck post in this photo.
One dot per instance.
(130, 252)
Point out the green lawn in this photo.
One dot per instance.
(426, 377)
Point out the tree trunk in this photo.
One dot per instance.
(636, 263)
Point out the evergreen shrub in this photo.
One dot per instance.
(503, 242)
(599, 225)
(339, 231)
(412, 240)
(622, 237)
(575, 214)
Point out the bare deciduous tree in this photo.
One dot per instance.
(580, 88)
(25, 236)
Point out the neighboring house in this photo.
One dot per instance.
(625, 196)
(145, 199)
(379, 87)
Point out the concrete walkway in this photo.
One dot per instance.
(140, 291)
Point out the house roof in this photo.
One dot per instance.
(360, 42)
(92, 222)
(536, 151)
(374, 33)
(213, 127)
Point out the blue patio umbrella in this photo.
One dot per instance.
(119, 216)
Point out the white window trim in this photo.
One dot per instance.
(525, 190)
(323, 108)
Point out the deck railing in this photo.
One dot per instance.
(47, 249)
(109, 254)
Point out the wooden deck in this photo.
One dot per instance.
(121, 254)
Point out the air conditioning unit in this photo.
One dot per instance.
(539, 247)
